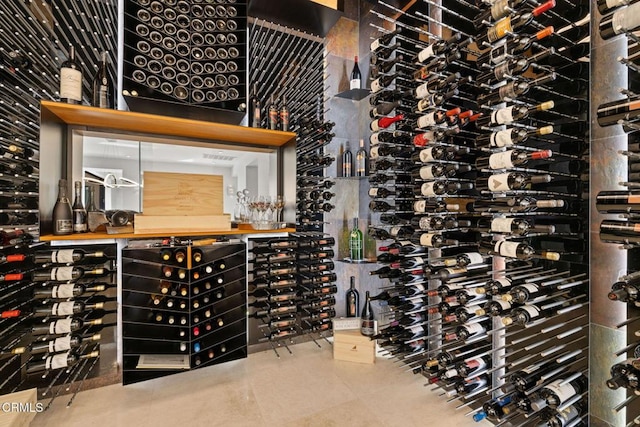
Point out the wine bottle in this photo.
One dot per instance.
(383, 40)
(513, 113)
(525, 314)
(63, 326)
(273, 113)
(512, 90)
(436, 118)
(621, 21)
(437, 48)
(611, 113)
(59, 361)
(559, 391)
(383, 109)
(512, 24)
(356, 240)
(511, 67)
(62, 212)
(352, 299)
(256, 108)
(67, 273)
(512, 46)
(356, 76)
(617, 201)
(382, 82)
(511, 158)
(69, 290)
(367, 320)
(284, 115)
(385, 122)
(510, 181)
(65, 308)
(102, 85)
(347, 161)
(498, 9)
(519, 250)
(79, 212)
(624, 375)
(71, 80)
(362, 160)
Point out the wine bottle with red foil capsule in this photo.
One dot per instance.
(512, 24)
(511, 158)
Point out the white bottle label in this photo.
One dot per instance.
(56, 361)
(418, 260)
(475, 329)
(374, 139)
(425, 53)
(426, 172)
(501, 138)
(354, 84)
(373, 192)
(504, 282)
(427, 120)
(71, 84)
(426, 155)
(626, 19)
(503, 116)
(427, 189)
(502, 225)
(564, 392)
(530, 287)
(62, 273)
(426, 239)
(474, 257)
(422, 91)
(61, 326)
(375, 128)
(499, 182)
(375, 85)
(426, 103)
(62, 291)
(373, 153)
(501, 160)
(507, 249)
(60, 344)
(62, 256)
(505, 305)
(374, 45)
(420, 206)
(62, 308)
(532, 310)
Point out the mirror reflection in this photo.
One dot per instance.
(114, 168)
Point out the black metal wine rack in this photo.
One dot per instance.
(195, 310)
(35, 295)
(291, 287)
(188, 53)
(456, 319)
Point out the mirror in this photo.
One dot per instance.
(114, 166)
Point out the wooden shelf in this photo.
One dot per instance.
(101, 236)
(80, 115)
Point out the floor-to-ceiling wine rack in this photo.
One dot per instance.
(482, 243)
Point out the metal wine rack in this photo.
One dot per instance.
(186, 53)
(456, 321)
(292, 288)
(30, 295)
(182, 312)
(615, 256)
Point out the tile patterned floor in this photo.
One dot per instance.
(306, 389)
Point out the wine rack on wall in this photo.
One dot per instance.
(58, 316)
(484, 222)
(187, 53)
(291, 288)
(616, 201)
(184, 307)
(41, 33)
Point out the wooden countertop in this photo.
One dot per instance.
(103, 236)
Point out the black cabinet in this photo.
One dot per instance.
(183, 307)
